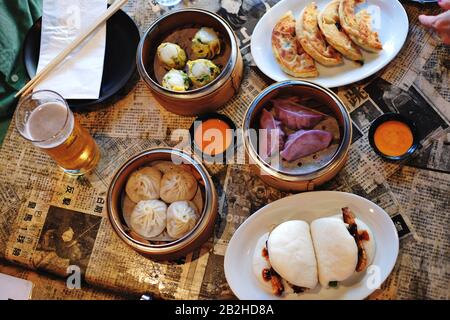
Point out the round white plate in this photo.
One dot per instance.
(389, 20)
(308, 207)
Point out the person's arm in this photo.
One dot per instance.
(440, 23)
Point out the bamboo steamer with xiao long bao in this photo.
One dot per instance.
(162, 203)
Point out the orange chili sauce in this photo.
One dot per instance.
(393, 138)
(213, 136)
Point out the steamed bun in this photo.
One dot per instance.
(177, 185)
(144, 184)
(148, 218)
(181, 218)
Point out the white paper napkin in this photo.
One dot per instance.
(79, 76)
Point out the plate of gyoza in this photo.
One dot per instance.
(330, 42)
(314, 245)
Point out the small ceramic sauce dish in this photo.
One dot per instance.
(393, 136)
(213, 137)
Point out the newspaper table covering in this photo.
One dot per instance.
(38, 202)
(46, 287)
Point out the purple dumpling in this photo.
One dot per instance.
(275, 134)
(294, 115)
(305, 142)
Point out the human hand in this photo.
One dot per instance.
(440, 23)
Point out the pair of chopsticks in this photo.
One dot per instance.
(74, 44)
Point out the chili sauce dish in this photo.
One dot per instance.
(393, 136)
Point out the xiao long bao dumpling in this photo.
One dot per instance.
(198, 200)
(144, 184)
(181, 218)
(206, 43)
(164, 166)
(202, 71)
(178, 185)
(175, 80)
(171, 55)
(149, 217)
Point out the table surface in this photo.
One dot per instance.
(38, 202)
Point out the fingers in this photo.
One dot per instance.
(446, 39)
(427, 21)
(442, 20)
(440, 24)
(445, 4)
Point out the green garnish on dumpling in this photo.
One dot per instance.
(206, 43)
(171, 55)
(176, 80)
(202, 71)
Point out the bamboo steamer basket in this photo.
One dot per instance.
(202, 100)
(285, 180)
(177, 248)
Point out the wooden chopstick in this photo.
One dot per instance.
(75, 43)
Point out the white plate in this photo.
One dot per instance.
(389, 20)
(308, 207)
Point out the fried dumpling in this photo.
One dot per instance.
(359, 26)
(148, 218)
(202, 71)
(295, 116)
(143, 184)
(273, 137)
(311, 39)
(181, 218)
(206, 43)
(171, 55)
(288, 53)
(178, 185)
(176, 80)
(330, 26)
(305, 142)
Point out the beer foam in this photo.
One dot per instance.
(47, 127)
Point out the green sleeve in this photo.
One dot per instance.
(16, 18)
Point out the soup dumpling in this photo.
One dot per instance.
(177, 185)
(175, 80)
(206, 43)
(148, 218)
(198, 200)
(181, 218)
(202, 71)
(164, 166)
(171, 55)
(144, 184)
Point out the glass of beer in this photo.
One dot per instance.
(45, 119)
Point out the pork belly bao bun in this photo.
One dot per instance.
(296, 256)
